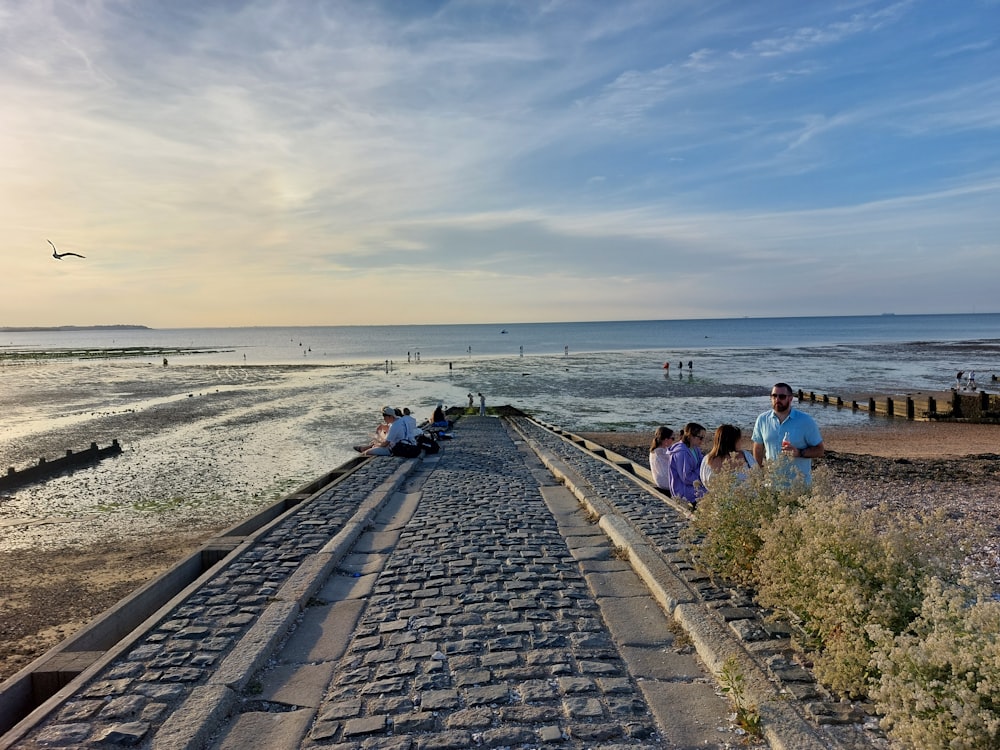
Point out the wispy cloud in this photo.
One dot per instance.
(276, 161)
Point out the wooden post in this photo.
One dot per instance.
(931, 406)
(909, 408)
(871, 405)
(889, 406)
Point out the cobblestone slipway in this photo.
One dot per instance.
(470, 599)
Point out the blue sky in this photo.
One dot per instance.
(294, 162)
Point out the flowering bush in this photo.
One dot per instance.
(840, 569)
(726, 530)
(939, 681)
(868, 590)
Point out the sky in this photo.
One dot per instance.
(321, 162)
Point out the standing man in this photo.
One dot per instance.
(787, 431)
(482, 405)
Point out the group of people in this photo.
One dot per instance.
(680, 467)
(396, 435)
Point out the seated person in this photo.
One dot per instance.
(399, 441)
(685, 463)
(438, 419)
(727, 455)
(380, 432)
(659, 457)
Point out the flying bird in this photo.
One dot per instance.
(59, 256)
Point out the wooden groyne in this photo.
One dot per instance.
(944, 406)
(46, 469)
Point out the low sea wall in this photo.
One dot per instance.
(45, 469)
(945, 406)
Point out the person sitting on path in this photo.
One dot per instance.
(380, 431)
(726, 455)
(438, 419)
(685, 462)
(398, 440)
(659, 457)
(784, 431)
(411, 424)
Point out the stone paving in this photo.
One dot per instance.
(126, 699)
(478, 607)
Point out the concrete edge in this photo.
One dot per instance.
(202, 714)
(783, 726)
(190, 727)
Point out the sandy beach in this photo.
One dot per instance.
(50, 593)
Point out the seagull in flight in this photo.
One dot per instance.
(59, 256)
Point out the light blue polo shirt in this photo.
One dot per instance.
(803, 432)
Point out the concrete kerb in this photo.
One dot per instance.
(190, 727)
(784, 727)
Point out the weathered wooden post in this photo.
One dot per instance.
(931, 406)
(910, 411)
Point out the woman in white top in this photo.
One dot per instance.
(726, 455)
(659, 456)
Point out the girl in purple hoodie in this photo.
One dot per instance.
(685, 463)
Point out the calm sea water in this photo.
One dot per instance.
(451, 342)
(266, 409)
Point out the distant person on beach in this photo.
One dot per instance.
(971, 382)
(470, 400)
(958, 379)
(787, 431)
(659, 457)
(727, 455)
(685, 463)
(482, 405)
(399, 441)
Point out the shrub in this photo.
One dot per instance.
(840, 569)
(939, 683)
(725, 533)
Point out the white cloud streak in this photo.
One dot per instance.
(275, 162)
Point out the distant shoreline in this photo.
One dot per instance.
(34, 329)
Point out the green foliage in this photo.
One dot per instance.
(747, 716)
(939, 684)
(840, 569)
(874, 596)
(726, 529)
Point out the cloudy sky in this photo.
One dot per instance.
(300, 162)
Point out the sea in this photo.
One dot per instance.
(216, 422)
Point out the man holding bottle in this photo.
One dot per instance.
(787, 431)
